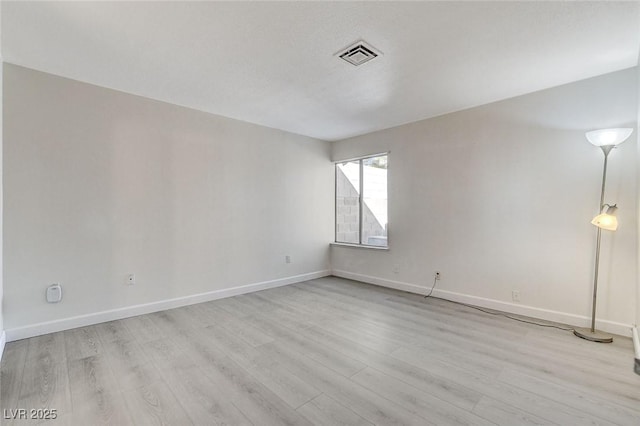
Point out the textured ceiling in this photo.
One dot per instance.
(273, 63)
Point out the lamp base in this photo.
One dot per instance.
(594, 336)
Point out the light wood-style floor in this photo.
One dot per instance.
(326, 352)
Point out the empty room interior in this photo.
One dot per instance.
(320, 213)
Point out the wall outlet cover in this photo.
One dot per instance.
(54, 293)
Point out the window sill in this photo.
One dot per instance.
(359, 246)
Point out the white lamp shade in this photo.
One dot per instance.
(607, 137)
(607, 220)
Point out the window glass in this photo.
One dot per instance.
(362, 219)
(374, 201)
(348, 202)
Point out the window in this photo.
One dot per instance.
(361, 201)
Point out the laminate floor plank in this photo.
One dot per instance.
(362, 401)
(456, 394)
(169, 323)
(336, 361)
(289, 318)
(420, 325)
(11, 374)
(446, 312)
(205, 401)
(207, 314)
(337, 287)
(318, 307)
(474, 322)
(283, 296)
(506, 415)
(142, 328)
(592, 383)
(281, 300)
(512, 354)
(423, 319)
(90, 377)
(495, 355)
(112, 331)
(234, 306)
(45, 379)
(602, 412)
(254, 400)
(95, 394)
(11, 371)
(155, 405)
(539, 405)
(327, 351)
(557, 342)
(249, 334)
(258, 403)
(82, 342)
(45, 385)
(129, 364)
(344, 330)
(434, 346)
(257, 303)
(433, 409)
(267, 371)
(52, 345)
(105, 409)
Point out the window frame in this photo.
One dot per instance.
(360, 161)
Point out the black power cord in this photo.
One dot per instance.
(502, 314)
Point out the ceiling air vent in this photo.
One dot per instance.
(358, 53)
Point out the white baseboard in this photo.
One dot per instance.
(147, 308)
(3, 341)
(398, 285)
(518, 309)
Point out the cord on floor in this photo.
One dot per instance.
(429, 295)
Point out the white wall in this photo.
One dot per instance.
(638, 217)
(2, 335)
(100, 184)
(499, 198)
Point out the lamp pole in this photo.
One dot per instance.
(606, 149)
(606, 139)
(592, 334)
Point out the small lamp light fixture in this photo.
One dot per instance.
(608, 219)
(606, 139)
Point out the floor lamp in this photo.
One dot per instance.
(606, 139)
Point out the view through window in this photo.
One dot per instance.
(361, 201)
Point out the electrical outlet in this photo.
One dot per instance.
(396, 269)
(287, 259)
(437, 275)
(131, 279)
(515, 296)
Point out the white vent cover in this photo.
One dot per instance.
(358, 53)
